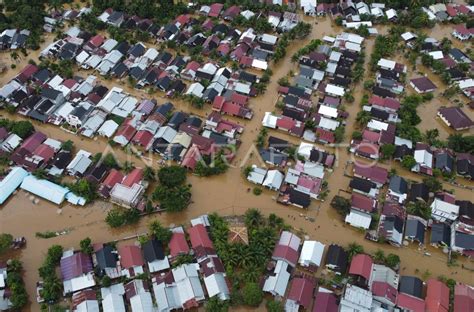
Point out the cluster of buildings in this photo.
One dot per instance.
(297, 184)
(327, 71)
(450, 220)
(153, 281)
(371, 286)
(13, 39)
(86, 107)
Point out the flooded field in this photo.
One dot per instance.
(226, 194)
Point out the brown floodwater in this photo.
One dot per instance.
(226, 194)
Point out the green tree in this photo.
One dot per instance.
(109, 161)
(85, 189)
(214, 304)
(431, 136)
(433, 184)
(341, 204)
(160, 232)
(6, 241)
(172, 176)
(106, 281)
(253, 218)
(86, 246)
(379, 256)
(339, 134)
(128, 166)
(387, 150)
(252, 294)
(392, 260)
(408, 162)
(68, 145)
(354, 249)
(274, 306)
(419, 208)
(149, 174)
(173, 199)
(22, 128)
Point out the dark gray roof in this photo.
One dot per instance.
(299, 198)
(362, 185)
(419, 190)
(153, 250)
(415, 230)
(444, 161)
(440, 234)
(274, 157)
(337, 256)
(398, 184)
(411, 285)
(106, 258)
(464, 240)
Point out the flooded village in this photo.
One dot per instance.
(318, 152)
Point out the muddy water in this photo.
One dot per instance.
(226, 194)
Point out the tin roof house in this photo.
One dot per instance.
(76, 271)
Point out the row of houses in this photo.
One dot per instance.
(168, 287)
(328, 71)
(298, 184)
(450, 220)
(370, 285)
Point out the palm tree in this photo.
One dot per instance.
(149, 174)
(275, 221)
(253, 218)
(354, 249)
(15, 265)
(379, 256)
(128, 166)
(363, 117)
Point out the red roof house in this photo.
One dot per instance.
(142, 138)
(361, 265)
(325, 302)
(463, 298)
(363, 203)
(410, 303)
(178, 244)
(113, 178)
(199, 237)
(26, 73)
(437, 296)
(301, 291)
(130, 256)
(384, 290)
(97, 41)
(135, 176)
(216, 9)
(374, 173)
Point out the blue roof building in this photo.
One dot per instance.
(44, 189)
(11, 182)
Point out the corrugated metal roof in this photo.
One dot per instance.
(11, 182)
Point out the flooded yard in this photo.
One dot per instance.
(227, 194)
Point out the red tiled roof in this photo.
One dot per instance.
(223, 48)
(362, 202)
(69, 83)
(97, 40)
(325, 302)
(370, 136)
(463, 9)
(33, 141)
(463, 298)
(135, 176)
(384, 290)
(218, 103)
(183, 19)
(287, 253)
(301, 291)
(130, 256)
(193, 65)
(325, 135)
(374, 173)
(44, 151)
(411, 303)
(191, 158)
(178, 244)
(126, 131)
(361, 265)
(368, 148)
(437, 296)
(451, 10)
(216, 9)
(199, 237)
(113, 178)
(239, 99)
(462, 30)
(285, 123)
(142, 138)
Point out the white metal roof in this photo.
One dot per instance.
(263, 65)
(311, 253)
(408, 36)
(377, 125)
(329, 124)
(113, 303)
(441, 210)
(289, 239)
(11, 182)
(108, 128)
(277, 284)
(44, 189)
(304, 149)
(424, 157)
(328, 111)
(64, 110)
(142, 302)
(384, 63)
(357, 218)
(436, 55)
(273, 180)
(269, 120)
(333, 89)
(82, 57)
(216, 286)
(257, 175)
(313, 169)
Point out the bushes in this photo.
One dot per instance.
(52, 286)
(341, 204)
(18, 296)
(160, 232)
(118, 217)
(5, 242)
(172, 194)
(252, 294)
(208, 166)
(85, 189)
(21, 128)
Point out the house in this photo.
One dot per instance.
(311, 255)
(178, 244)
(384, 284)
(76, 271)
(440, 234)
(154, 256)
(437, 296)
(415, 229)
(287, 248)
(462, 33)
(182, 290)
(300, 294)
(336, 259)
(419, 191)
(325, 300)
(422, 85)
(105, 260)
(356, 299)
(129, 192)
(79, 164)
(463, 297)
(392, 221)
(85, 300)
(277, 282)
(444, 161)
(273, 180)
(375, 174)
(131, 260)
(138, 295)
(364, 187)
(444, 211)
(361, 269)
(398, 188)
(112, 298)
(308, 7)
(412, 286)
(11, 182)
(455, 118)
